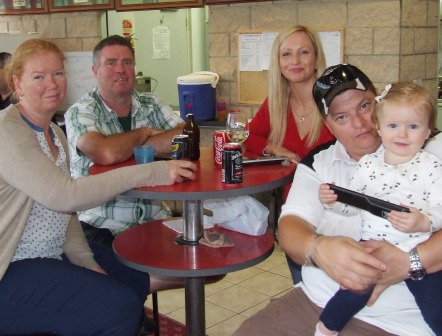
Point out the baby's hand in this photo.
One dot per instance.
(410, 222)
(326, 195)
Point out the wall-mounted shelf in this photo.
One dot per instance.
(21, 7)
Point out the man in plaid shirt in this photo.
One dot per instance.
(106, 124)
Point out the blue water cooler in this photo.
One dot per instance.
(197, 95)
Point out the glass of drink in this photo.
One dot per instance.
(237, 126)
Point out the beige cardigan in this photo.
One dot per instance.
(26, 174)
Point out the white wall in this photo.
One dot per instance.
(188, 49)
(9, 42)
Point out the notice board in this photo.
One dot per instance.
(254, 53)
(81, 79)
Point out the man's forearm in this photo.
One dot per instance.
(110, 149)
(163, 141)
(430, 253)
(295, 235)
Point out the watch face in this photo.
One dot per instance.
(417, 274)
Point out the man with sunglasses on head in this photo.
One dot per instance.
(327, 244)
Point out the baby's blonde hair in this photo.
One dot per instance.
(413, 95)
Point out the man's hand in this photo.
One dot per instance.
(181, 170)
(348, 262)
(397, 261)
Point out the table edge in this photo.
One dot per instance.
(193, 273)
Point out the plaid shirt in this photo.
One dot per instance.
(90, 114)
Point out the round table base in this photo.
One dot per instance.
(180, 240)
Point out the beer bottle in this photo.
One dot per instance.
(193, 131)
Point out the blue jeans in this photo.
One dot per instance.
(295, 270)
(427, 293)
(48, 296)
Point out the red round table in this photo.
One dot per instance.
(207, 185)
(152, 247)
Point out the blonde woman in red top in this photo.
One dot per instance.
(288, 122)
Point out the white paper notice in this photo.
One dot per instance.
(161, 42)
(250, 52)
(331, 43)
(266, 49)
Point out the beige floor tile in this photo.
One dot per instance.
(217, 286)
(255, 309)
(274, 260)
(240, 276)
(216, 314)
(168, 301)
(268, 283)
(227, 327)
(178, 315)
(283, 293)
(282, 270)
(237, 298)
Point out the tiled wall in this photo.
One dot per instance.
(70, 31)
(389, 39)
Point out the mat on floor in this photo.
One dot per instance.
(169, 327)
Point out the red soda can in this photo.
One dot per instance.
(219, 140)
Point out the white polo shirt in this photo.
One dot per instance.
(396, 310)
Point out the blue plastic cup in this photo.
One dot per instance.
(144, 154)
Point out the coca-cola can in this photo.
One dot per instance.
(219, 140)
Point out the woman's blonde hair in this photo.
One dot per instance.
(412, 95)
(24, 52)
(279, 88)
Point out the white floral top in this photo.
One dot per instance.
(417, 183)
(45, 231)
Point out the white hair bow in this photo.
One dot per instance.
(384, 93)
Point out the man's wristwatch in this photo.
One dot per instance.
(417, 271)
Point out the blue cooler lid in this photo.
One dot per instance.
(202, 77)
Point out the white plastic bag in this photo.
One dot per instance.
(243, 214)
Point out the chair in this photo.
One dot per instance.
(277, 195)
(155, 313)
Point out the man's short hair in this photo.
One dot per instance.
(337, 79)
(110, 41)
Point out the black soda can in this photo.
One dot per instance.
(232, 163)
(180, 147)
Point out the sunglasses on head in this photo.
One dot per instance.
(338, 74)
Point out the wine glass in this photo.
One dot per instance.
(237, 127)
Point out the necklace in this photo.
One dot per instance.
(302, 118)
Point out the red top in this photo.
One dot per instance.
(260, 131)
